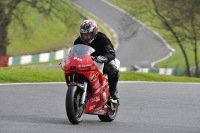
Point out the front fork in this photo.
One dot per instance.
(83, 88)
(83, 97)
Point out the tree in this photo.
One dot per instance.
(181, 18)
(10, 10)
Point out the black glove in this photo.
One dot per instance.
(101, 59)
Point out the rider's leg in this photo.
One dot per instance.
(113, 77)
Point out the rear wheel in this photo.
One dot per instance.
(74, 109)
(112, 112)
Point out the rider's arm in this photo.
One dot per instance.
(108, 50)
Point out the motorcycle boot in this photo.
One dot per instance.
(113, 87)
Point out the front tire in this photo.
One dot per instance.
(111, 114)
(74, 109)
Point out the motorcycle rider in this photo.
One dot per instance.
(89, 35)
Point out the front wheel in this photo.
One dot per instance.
(112, 112)
(74, 109)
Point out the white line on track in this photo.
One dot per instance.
(119, 82)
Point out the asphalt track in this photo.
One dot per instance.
(138, 45)
(145, 108)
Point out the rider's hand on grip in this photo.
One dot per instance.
(101, 59)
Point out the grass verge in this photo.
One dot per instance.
(24, 75)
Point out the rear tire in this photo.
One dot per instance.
(110, 116)
(74, 110)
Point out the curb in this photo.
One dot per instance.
(165, 71)
(43, 57)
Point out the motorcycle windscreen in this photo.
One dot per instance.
(81, 50)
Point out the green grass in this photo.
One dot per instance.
(47, 34)
(25, 74)
(15, 75)
(43, 34)
(138, 9)
(137, 76)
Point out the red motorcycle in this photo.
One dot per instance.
(88, 87)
